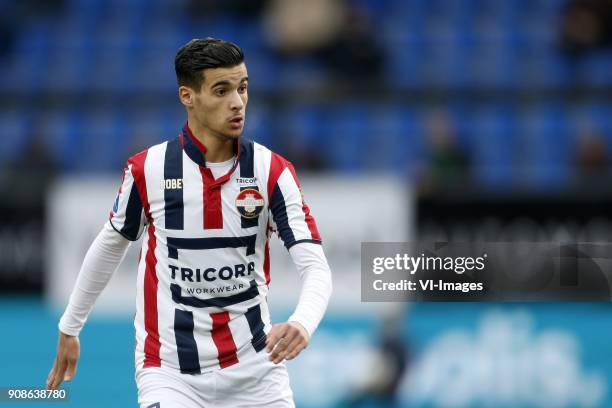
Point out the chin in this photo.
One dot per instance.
(233, 134)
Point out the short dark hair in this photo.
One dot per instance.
(199, 54)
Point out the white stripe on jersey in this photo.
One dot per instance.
(293, 206)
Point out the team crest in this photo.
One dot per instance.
(249, 203)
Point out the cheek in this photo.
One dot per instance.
(206, 110)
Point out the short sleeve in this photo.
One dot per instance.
(127, 216)
(290, 213)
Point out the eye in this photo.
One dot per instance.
(242, 88)
(220, 92)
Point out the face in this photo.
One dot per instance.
(219, 106)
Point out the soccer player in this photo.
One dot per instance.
(207, 203)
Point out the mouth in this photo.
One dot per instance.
(236, 122)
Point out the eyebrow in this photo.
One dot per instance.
(226, 82)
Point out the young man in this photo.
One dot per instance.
(208, 201)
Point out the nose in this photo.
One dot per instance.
(236, 102)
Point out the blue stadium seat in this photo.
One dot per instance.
(404, 66)
(347, 135)
(110, 71)
(103, 140)
(494, 155)
(596, 69)
(21, 73)
(64, 141)
(305, 124)
(155, 72)
(264, 72)
(489, 66)
(148, 126)
(259, 126)
(15, 131)
(395, 139)
(594, 117)
(548, 149)
(443, 60)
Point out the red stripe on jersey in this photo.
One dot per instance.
(277, 165)
(266, 263)
(310, 221)
(152, 343)
(222, 336)
(213, 210)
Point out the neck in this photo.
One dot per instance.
(218, 147)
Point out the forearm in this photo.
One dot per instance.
(101, 261)
(316, 284)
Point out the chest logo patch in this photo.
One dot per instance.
(249, 203)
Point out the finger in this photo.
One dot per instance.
(289, 335)
(296, 351)
(278, 349)
(277, 332)
(273, 337)
(51, 375)
(52, 371)
(70, 370)
(291, 346)
(59, 375)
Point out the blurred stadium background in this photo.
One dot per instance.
(453, 119)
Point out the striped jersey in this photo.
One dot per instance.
(204, 265)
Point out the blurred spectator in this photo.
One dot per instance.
(354, 54)
(587, 25)
(390, 364)
(305, 157)
(38, 8)
(14, 14)
(8, 28)
(24, 183)
(447, 164)
(592, 155)
(244, 8)
(340, 35)
(7, 36)
(33, 168)
(298, 28)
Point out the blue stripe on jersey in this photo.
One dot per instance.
(174, 244)
(247, 170)
(173, 197)
(311, 241)
(133, 212)
(247, 152)
(191, 149)
(186, 346)
(279, 213)
(220, 302)
(256, 325)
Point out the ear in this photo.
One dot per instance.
(186, 95)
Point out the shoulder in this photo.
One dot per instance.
(275, 160)
(266, 161)
(136, 162)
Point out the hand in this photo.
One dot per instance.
(286, 341)
(64, 367)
